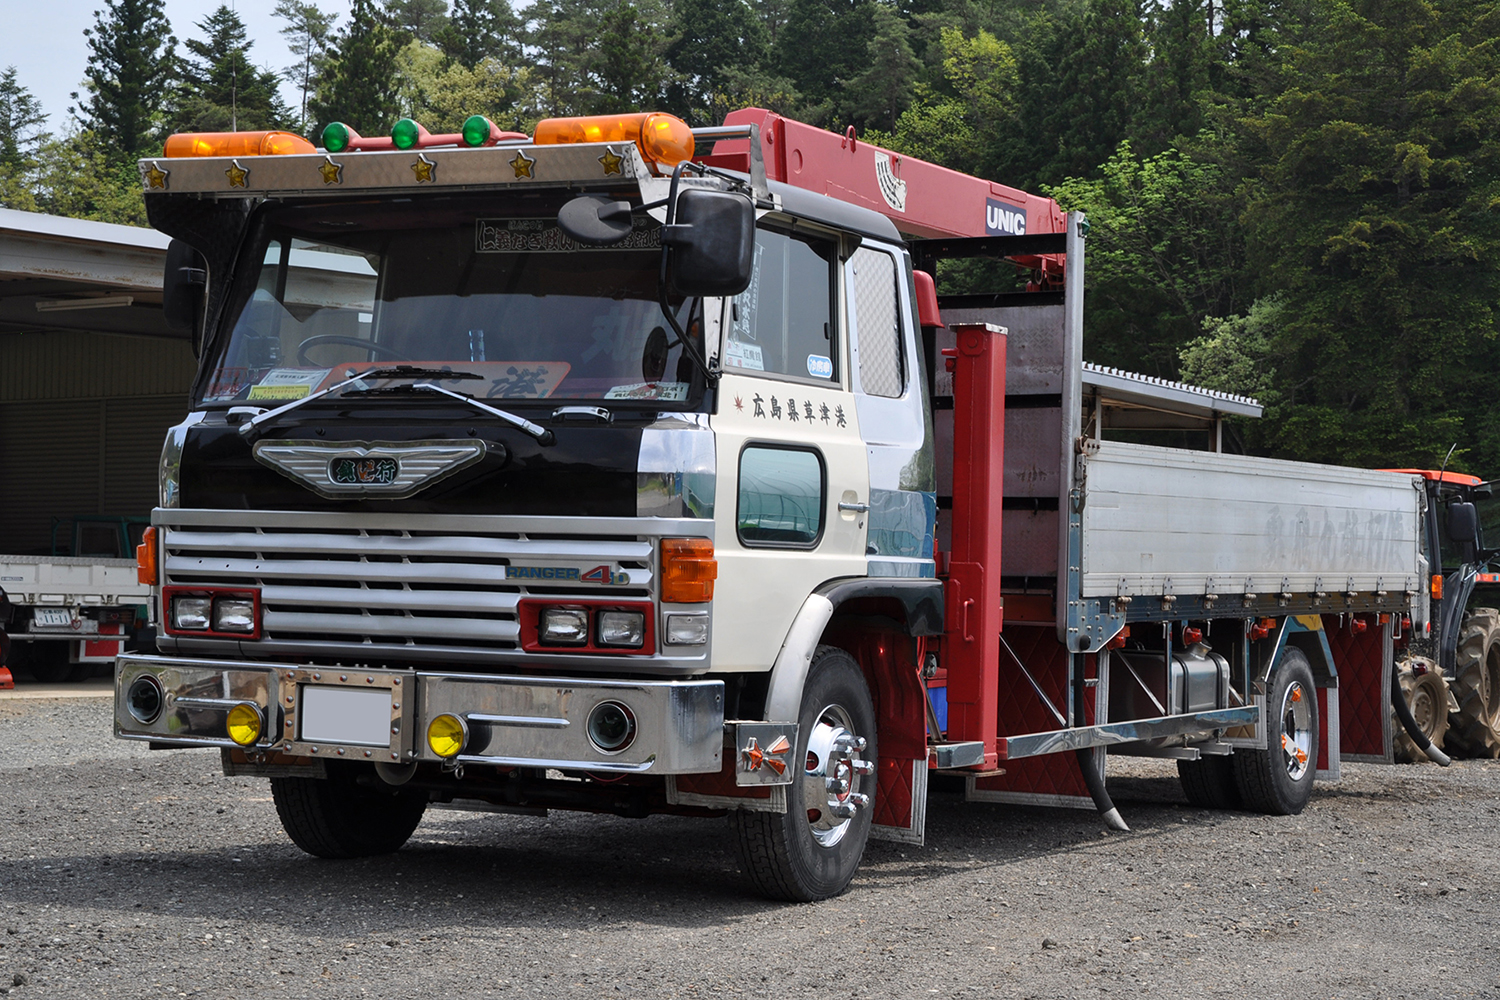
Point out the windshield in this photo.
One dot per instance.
(486, 286)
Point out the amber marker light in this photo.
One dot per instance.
(244, 724)
(1437, 587)
(663, 140)
(236, 144)
(688, 570)
(145, 558)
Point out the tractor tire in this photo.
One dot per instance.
(1279, 779)
(812, 850)
(334, 817)
(1426, 694)
(1209, 782)
(1474, 730)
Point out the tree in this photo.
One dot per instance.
(132, 59)
(21, 121)
(884, 89)
(309, 34)
(423, 20)
(441, 93)
(358, 86)
(822, 43)
(479, 30)
(714, 39)
(219, 90)
(628, 66)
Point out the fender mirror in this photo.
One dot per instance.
(711, 242)
(595, 221)
(182, 283)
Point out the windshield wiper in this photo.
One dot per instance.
(537, 431)
(250, 428)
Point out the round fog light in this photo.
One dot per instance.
(446, 735)
(244, 724)
(143, 699)
(611, 727)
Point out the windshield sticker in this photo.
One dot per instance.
(743, 310)
(668, 392)
(738, 355)
(819, 366)
(288, 383)
(228, 383)
(543, 236)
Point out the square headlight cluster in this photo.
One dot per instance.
(571, 627)
(233, 613)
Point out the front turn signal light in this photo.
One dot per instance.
(244, 724)
(236, 144)
(663, 140)
(145, 558)
(446, 736)
(688, 570)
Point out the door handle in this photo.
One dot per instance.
(858, 508)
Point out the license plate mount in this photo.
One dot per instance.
(347, 716)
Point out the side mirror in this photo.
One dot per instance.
(1463, 528)
(711, 242)
(182, 284)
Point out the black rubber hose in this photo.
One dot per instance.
(1403, 712)
(1095, 781)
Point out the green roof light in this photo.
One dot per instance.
(336, 137)
(477, 130)
(405, 133)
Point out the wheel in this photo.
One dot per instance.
(46, 661)
(1279, 779)
(1209, 782)
(335, 338)
(1474, 730)
(812, 850)
(1426, 693)
(337, 818)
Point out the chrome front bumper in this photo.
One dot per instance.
(512, 721)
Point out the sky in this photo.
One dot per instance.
(44, 42)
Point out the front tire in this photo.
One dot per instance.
(335, 817)
(1210, 783)
(812, 850)
(1474, 730)
(1278, 780)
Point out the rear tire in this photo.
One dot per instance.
(45, 660)
(1209, 782)
(1474, 730)
(1279, 779)
(810, 852)
(1426, 694)
(335, 818)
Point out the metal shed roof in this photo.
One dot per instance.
(1161, 394)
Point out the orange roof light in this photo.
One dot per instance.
(664, 141)
(236, 144)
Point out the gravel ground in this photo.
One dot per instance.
(131, 873)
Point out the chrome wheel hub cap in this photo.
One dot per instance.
(1297, 706)
(833, 775)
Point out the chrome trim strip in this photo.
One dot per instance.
(1083, 737)
(537, 721)
(225, 703)
(613, 767)
(457, 524)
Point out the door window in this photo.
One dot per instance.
(781, 497)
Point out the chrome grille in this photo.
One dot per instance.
(439, 583)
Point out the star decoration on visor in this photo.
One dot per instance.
(611, 161)
(333, 173)
(423, 168)
(522, 165)
(153, 176)
(238, 175)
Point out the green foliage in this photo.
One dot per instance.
(716, 42)
(309, 34)
(21, 121)
(218, 89)
(359, 85)
(441, 94)
(481, 29)
(422, 20)
(128, 77)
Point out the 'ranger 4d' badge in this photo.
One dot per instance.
(361, 469)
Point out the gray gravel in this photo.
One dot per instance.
(130, 873)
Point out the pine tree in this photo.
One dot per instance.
(715, 38)
(220, 90)
(309, 34)
(481, 29)
(423, 20)
(129, 76)
(21, 121)
(358, 86)
(821, 44)
(884, 90)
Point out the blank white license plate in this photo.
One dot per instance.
(52, 617)
(346, 715)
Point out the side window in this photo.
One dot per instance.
(781, 497)
(783, 323)
(877, 327)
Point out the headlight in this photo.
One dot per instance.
(565, 627)
(234, 614)
(191, 613)
(622, 628)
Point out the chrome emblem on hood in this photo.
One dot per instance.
(392, 470)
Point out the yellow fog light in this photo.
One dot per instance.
(244, 724)
(446, 735)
